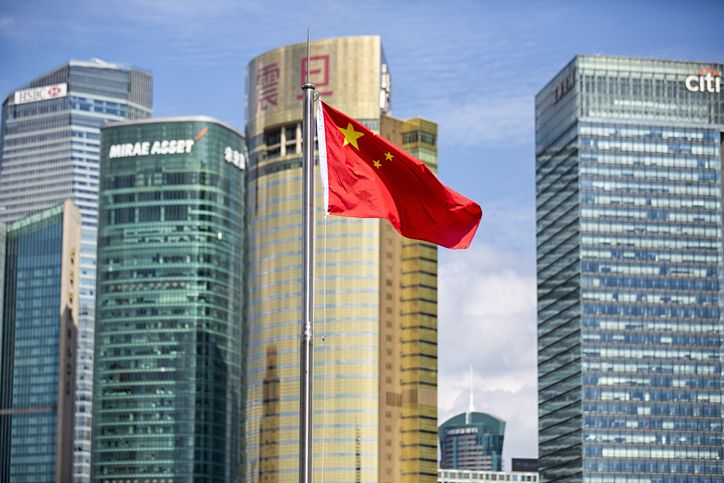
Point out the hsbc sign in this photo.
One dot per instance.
(41, 93)
(706, 80)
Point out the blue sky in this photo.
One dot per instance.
(472, 66)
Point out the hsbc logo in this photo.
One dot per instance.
(41, 93)
(706, 80)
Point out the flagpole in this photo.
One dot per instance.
(305, 391)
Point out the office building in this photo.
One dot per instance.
(168, 373)
(375, 344)
(40, 300)
(49, 151)
(629, 227)
(472, 441)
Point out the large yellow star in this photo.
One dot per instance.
(388, 156)
(351, 136)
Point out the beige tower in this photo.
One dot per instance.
(375, 345)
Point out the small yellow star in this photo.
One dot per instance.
(350, 135)
(388, 156)
(377, 164)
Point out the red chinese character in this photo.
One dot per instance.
(267, 86)
(318, 72)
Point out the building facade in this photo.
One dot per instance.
(472, 441)
(49, 151)
(375, 345)
(38, 340)
(629, 227)
(168, 374)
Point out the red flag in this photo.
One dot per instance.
(366, 176)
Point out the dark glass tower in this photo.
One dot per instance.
(629, 227)
(168, 392)
(38, 345)
(49, 147)
(472, 441)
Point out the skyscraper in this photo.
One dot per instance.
(40, 298)
(168, 373)
(50, 142)
(629, 226)
(472, 441)
(375, 381)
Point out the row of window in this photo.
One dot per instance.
(661, 243)
(711, 203)
(642, 408)
(626, 187)
(667, 283)
(695, 149)
(646, 132)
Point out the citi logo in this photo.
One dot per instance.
(706, 80)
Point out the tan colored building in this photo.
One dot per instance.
(375, 344)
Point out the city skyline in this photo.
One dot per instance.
(504, 60)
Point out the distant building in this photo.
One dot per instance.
(38, 337)
(49, 151)
(465, 476)
(472, 441)
(524, 464)
(630, 271)
(168, 392)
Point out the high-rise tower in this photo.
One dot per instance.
(168, 372)
(39, 302)
(630, 270)
(50, 142)
(375, 346)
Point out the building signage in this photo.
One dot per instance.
(41, 93)
(130, 150)
(235, 157)
(706, 80)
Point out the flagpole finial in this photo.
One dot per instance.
(307, 82)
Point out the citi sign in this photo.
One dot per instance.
(706, 80)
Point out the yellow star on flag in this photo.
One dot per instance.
(377, 164)
(388, 156)
(350, 136)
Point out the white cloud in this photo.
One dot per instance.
(486, 121)
(487, 319)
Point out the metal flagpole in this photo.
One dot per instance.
(305, 391)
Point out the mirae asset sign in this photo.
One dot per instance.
(172, 146)
(129, 150)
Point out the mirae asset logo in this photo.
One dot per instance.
(706, 80)
(145, 148)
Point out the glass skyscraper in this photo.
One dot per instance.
(49, 151)
(375, 345)
(629, 242)
(472, 441)
(40, 299)
(168, 366)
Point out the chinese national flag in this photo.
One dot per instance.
(365, 176)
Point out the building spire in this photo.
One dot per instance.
(469, 413)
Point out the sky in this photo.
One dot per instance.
(473, 67)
